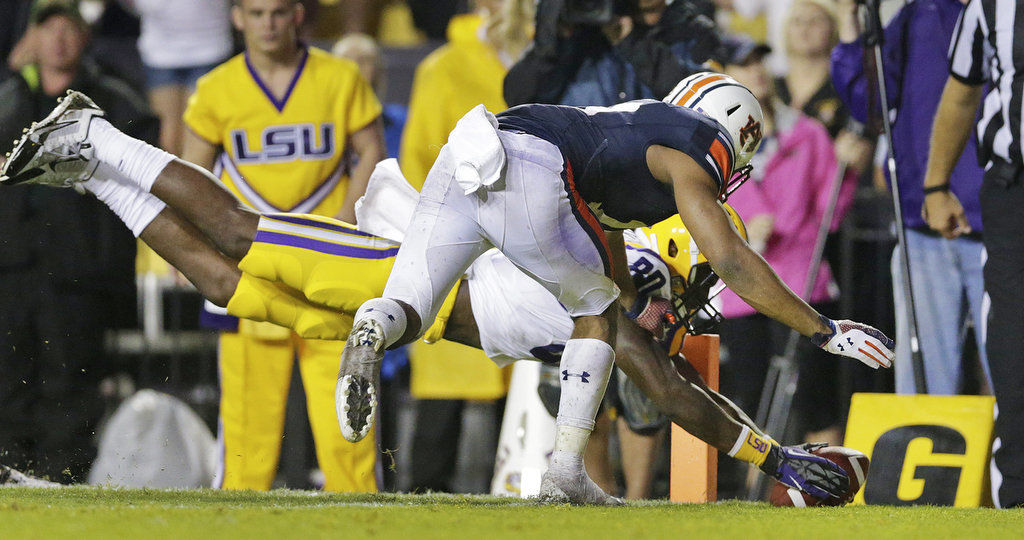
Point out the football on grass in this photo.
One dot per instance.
(854, 462)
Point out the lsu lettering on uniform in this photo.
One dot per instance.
(287, 154)
(283, 154)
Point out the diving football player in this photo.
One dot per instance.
(205, 230)
(550, 186)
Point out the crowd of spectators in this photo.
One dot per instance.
(67, 264)
(802, 59)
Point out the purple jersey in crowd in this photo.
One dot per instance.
(916, 42)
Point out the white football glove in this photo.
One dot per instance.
(856, 340)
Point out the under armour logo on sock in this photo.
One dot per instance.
(390, 317)
(583, 376)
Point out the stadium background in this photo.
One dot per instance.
(163, 346)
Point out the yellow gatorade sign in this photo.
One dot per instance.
(923, 449)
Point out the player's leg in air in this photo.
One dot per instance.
(199, 227)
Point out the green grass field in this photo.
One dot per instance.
(84, 512)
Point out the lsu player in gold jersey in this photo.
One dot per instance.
(307, 273)
(279, 125)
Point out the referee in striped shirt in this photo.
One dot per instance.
(988, 47)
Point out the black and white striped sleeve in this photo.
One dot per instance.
(967, 47)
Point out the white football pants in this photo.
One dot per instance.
(532, 214)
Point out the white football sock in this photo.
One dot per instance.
(562, 461)
(134, 159)
(136, 208)
(386, 312)
(585, 367)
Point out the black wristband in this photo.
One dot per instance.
(936, 189)
(772, 460)
(638, 306)
(819, 339)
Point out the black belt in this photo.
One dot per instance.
(1004, 173)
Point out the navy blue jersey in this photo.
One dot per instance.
(605, 150)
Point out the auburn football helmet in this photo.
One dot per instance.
(731, 104)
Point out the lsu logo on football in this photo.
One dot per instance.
(285, 143)
(924, 449)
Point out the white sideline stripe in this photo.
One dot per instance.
(269, 224)
(796, 497)
(858, 470)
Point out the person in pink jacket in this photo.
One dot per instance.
(783, 205)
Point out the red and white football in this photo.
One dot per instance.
(854, 462)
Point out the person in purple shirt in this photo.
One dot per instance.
(945, 274)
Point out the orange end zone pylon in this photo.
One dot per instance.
(694, 464)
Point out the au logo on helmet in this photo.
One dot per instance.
(752, 131)
(726, 101)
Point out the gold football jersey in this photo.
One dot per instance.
(284, 153)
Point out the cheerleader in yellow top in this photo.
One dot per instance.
(281, 126)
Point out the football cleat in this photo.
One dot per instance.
(574, 487)
(55, 151)
(355, 396)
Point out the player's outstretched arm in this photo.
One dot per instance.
(685, 403)
(688, 372)
(746, 273)
(691, 406)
